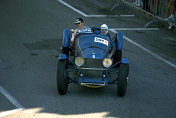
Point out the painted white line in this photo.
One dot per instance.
(10, 98)
(102, 16)
(171, 39)
(74, 9)
(127, 15)
(85, 15)
(145, 49)
(135, 29)
(2, 114)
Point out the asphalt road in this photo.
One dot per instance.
(30, 36)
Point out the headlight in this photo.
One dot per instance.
(107, 62)
(79, 61)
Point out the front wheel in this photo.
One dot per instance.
(122, 79)
(62, 82)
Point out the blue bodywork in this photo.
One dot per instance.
(92, 44)
(66, 38)
(119, 41)
(62, 56)
(125, 61)
(93, 47)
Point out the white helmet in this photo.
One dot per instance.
(104, 28)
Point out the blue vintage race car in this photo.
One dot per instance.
(95, 60)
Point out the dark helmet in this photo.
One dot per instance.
(78, 20)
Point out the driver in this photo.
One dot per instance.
(79, 25)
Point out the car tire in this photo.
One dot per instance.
(62, 82)
(122, 79)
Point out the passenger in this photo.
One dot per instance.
(104, 30)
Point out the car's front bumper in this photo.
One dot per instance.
(93, 82)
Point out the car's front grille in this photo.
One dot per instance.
(92, 73)
(93, 63)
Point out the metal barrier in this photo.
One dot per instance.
(164, 10)
(116, 4)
